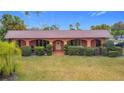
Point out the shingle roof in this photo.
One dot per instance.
(58, 34)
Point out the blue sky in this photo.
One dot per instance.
(64, 18)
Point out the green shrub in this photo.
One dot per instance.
(49, 49)
(89, 51)
(39, 50)
(120, 50)
(75, 50)
(81, 51)
(10, 57)
(104, 51)
(66, 49)
(26, 51)
(114, 48)
(109, 43)
(113, 53)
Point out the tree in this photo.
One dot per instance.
(77, 26)
(101, 27)
(2, 33)
(10, 22)
(118, 28)
(52, 27)
(71, 27)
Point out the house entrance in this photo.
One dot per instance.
(58, 45)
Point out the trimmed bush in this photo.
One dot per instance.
(66, 49)
(26, 51)
(49, 50)
(75, 50)
(89, 51)
(109, 43)
(81, 51)
(113, 53)
(104, 51)
(119, 49)
(39, 50)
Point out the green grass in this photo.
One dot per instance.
(71, 68)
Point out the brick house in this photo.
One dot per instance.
(86, 38)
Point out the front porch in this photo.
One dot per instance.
(58, 44)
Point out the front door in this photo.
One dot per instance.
(58, 45)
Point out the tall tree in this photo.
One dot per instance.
(52, 27)
(77, 26)
(101, 27)
(71, 27)
(10, 22)
(118, 28)
(2, 33)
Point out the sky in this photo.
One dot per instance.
(64, 18)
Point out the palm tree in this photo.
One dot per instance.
(77, 26)
(54, 27)
(71, 27)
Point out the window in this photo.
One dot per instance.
(75, 42)
(42, 43)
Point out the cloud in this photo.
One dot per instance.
(100, 13)
(93, 14)
(97, 13)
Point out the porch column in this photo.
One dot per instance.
(102, 42)
(27, 42)
(65, 42)
(51, 42)
(88, 42)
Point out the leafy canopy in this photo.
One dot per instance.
(10, 22)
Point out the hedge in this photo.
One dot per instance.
(66, 49)
(104, 51)
(97, 51)
(118, 49)
(39, 50)
(49, 50)
(89, 51)
(26, 51)
(75, 50)
(113, 53)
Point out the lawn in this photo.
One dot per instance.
(71, 68)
